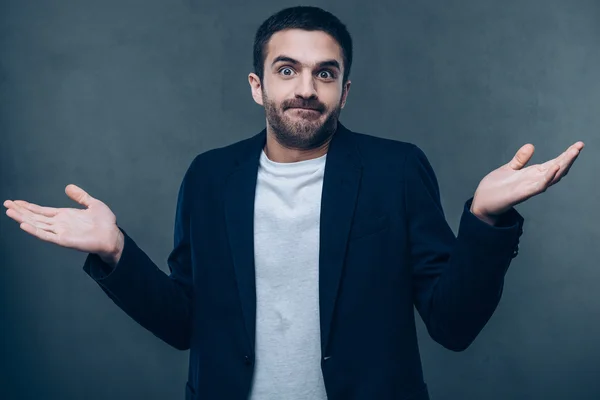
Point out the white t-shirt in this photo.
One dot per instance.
(286, 248)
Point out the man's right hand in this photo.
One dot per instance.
(91, 230)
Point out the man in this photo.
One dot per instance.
(301, 252)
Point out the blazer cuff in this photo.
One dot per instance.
(102, 272)
(504, 235)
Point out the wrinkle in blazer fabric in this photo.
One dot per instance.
(385, 248)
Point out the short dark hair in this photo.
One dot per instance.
(307, 18)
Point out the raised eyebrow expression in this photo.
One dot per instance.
(323, 64)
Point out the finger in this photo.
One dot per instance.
(9, 203)
(41, 225)
(522, 157)
(21, 218)
(566, 155)
(11, 213)
(548, 177)
(565, 165)
(79, 195)
(23, 208)
(40, 233)
(45, 211)
(579, 145)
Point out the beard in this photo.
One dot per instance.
(306, 131)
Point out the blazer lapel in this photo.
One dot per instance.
(340, 188)
(239, 216)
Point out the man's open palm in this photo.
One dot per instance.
(514, 183)
(92, 229)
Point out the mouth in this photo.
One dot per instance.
(314, 110)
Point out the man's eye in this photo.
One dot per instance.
(326, 74)
(286, 71)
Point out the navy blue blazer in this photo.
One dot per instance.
(385, 248)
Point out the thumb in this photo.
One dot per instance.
(79, 195)
(522, 157)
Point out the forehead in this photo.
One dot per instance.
(308, 47)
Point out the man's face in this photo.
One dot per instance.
(302, 88)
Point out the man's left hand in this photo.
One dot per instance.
(513, 183)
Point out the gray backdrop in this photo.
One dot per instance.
(119, 96)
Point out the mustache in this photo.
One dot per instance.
(312, 104)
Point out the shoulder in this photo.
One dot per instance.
(380, 152)
(221, 161)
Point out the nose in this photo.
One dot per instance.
(306, 87)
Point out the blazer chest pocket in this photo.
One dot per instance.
(367, 226)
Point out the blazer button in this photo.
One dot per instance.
(247, 360)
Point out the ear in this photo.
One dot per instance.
(256, 87)
(345, 91)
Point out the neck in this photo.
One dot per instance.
(279, 153)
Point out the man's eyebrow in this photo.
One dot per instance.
(322, 64)
(330, 63)
(285, 59)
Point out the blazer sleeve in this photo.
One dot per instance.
(457, 280)
(159, 302)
